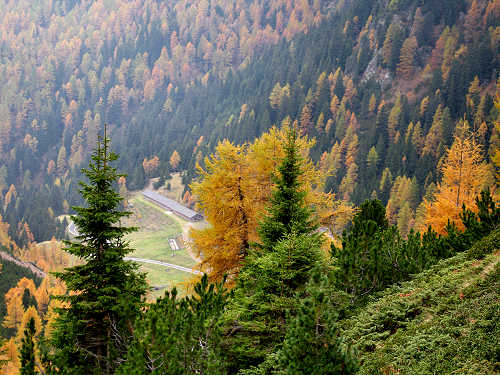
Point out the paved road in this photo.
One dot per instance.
(164, 264)
(72, 229)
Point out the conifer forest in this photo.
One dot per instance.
(249, 187)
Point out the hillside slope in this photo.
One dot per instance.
(446, 320)
(67, 67)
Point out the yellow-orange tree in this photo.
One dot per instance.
(222, 193)
(465, 174)
(233, 190)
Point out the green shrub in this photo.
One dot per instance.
(485, 246)
(444, 321)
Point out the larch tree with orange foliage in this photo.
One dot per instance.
(233, 191)
(15, 311)
(3, 353)
(12, 358)
(151, 166)
(465, 174)
(406, 66)
(175, 159)
(222, 193)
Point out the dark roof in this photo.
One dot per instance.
(171, 204)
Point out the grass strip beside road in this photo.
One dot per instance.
(151, 242)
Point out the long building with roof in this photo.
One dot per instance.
(171, 205)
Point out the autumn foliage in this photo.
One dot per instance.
(465, 175)
(233, 190)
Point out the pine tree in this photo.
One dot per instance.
(275, 270)
(312, 344)
(61, 161)
(179, 335)
(392, 45)
(27, 355)
(362, 264)
(288, 212)
(105, 292)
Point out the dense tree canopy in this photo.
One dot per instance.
(181, 77)
(235, 187)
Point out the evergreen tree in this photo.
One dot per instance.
(288, 212)
(312, 344)
(362, 261)
(179, 335)
(27, 355)
(105, 292)
(274, 272)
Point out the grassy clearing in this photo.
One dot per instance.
(151, 242)
(166, 278)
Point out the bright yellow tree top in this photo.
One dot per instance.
(465, 174)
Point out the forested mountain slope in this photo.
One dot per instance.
(393, 100)
(10, 274)
(382, 128)
(380, 84)
(67, 67)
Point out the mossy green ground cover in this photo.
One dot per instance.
(445, 321)
(151, 242)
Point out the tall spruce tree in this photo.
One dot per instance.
(274, 271)
(363, 264)
(105, 293)
(287, 212)
(27, 355)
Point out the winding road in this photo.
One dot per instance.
(164, 264)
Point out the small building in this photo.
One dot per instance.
(171, 205)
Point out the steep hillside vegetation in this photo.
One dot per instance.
(10, 274)
(395, 101)
(446, 320)
(294, 304)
